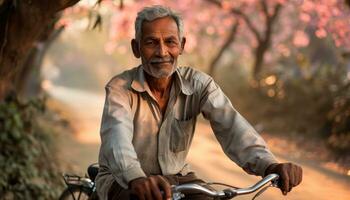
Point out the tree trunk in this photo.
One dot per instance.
(29, 79)
(22, 22)
(263, 38)
(259, 59)
(226, 45)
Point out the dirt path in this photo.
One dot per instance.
(205, 157)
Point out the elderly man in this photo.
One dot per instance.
(150, 116)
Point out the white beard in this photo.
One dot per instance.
(159, 73)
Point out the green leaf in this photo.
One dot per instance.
(16, 134)
(18, 121)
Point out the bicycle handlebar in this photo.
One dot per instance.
(226, 193)
(258, 185)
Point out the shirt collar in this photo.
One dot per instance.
(139, 83)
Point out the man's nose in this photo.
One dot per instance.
(162, 49)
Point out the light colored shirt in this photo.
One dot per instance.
(138, 141)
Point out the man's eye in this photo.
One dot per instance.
(172, 42)
(149, 42)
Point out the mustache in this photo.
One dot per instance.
(160, 60)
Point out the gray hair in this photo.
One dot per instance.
(155, 12)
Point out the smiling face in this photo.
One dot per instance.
(159, 47)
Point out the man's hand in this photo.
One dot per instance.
(149, 188)
(290, 175)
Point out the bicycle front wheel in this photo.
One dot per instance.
(75, 193)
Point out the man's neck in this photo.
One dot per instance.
(160, 87)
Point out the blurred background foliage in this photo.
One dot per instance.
(30, 169)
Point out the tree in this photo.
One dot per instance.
(229, 40)
(260, 30)
(300, 15)
(263, 38)
(22, 24)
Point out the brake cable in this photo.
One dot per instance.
(222, 184)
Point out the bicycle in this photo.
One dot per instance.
(83, 188)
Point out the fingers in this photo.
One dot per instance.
(300, 175)
(164, 184)
(290, 175)
(139, 188)
(296, 175)
(149, 188)
(139, 193)
(292, 178)
(142, 188)
(285, 182)
(155, 189)
(158, 182)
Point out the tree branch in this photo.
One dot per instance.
(249, 23)
(65, 4)
(270, 20)
(227, 43)
(216, 2)
(243, 16)
(265, 9)
(264, 44)
(276, 11)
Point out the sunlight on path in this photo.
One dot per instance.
(205, 157)
(210, 163)
(87, 108)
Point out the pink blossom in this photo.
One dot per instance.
(321, 33)
(300, 39)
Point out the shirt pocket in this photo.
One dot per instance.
(181, 134)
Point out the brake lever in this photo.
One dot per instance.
(178, 196)
(274, 183)
(175, 194)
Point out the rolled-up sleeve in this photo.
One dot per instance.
(238, 139)
(116, 137)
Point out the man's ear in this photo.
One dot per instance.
(135, 48)
(183, 42)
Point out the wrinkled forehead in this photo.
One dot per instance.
(165, 26)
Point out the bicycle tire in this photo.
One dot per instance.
(75, 193)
